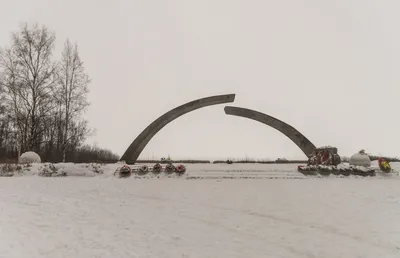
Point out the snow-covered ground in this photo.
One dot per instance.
(103, 216)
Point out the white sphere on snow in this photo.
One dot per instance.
(29, 157)
(360, 159)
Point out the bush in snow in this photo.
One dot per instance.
(9, 169)
(49, 170)
(29, 157)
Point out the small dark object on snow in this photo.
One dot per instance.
(157, 168)
(384, 165)
(169, 168)
(124, 171)
(180, 170)
(324, 156)
(143, 170)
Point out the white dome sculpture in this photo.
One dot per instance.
(360, 159)
(29, 157)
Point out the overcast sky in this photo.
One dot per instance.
(330, 68)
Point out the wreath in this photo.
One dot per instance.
(169, 168)
(385, 166)
(125, 171)
(157, 168)
(144, 169)
(180, 169)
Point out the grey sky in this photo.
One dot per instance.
(329, 68)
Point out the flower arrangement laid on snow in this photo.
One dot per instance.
(180, 169)
(143, 170)
(325, 161)
(169, 168)
(157, 168)
(124, 171)
(384, 165)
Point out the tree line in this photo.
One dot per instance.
(42, 100)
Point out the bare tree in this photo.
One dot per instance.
(42, 102)
(72, 95)
(29, 77)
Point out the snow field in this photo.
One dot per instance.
(109, 217)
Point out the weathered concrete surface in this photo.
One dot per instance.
(132, 153)
(299, 139)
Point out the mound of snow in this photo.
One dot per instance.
(84, 170)
(360, 159)
(49, 170)
(29, 157)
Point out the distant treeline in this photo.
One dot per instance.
(262, 161)
(255, 161)
(188, 161)
(83, 154)
(194, 161)
(92, 154)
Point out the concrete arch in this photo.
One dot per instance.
(299, 139)
(132, 153)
